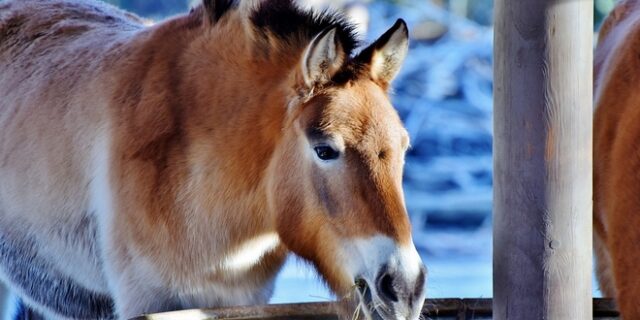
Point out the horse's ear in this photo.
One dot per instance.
(385, 56)
(322, 59)
(215, 9)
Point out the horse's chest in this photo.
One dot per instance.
(250, 253)
(244, 274)
(245, 262)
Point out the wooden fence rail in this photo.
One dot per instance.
(436, 309)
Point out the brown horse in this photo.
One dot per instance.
(617, 158)
(145, 169)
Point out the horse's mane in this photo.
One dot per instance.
(281, 27)
(287, 22)
(296, 27)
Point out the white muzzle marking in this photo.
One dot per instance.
(374, 258)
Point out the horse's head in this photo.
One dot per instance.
(336, 183)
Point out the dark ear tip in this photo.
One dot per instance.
(400, 23)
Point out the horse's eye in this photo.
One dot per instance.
(326, 153)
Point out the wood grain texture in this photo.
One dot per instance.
(543, 159)
(437, 309)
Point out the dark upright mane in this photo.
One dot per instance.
(217, 8)
(296, 27)
(293, 28)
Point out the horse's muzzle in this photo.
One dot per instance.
(393, 295)
(390, 277)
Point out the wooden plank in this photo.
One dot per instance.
(455, 309)
(542, 159)
(318, 311)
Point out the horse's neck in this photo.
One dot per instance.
(236, 120)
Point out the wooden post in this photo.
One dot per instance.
(542, 256)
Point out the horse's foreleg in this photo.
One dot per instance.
(24, 312)
(44, 287)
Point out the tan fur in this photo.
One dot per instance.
(182, 143)
(617, 158)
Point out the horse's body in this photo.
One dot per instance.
(617, 157)
(145, 169)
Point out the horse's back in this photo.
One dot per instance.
(51, 111)
(617, 156)
(51, 49)
(53, 119)
(52, 83)
(41, 38)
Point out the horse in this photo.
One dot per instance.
(147, 168)
(616, 159)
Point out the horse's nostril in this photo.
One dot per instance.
(385, 286)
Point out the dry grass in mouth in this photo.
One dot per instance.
(360, 288)
(359, 291)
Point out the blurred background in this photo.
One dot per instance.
(444, 96)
